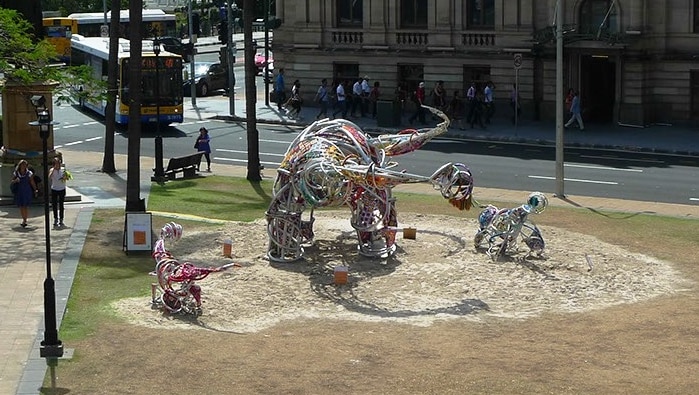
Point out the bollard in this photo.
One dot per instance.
(409, 233)
(227, 247)
(341, 273)
(159, 171)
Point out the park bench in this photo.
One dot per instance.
(188, 165)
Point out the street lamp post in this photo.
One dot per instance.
(51, 347)
(159, 171)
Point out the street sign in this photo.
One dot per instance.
(518, 60)
(104, 31)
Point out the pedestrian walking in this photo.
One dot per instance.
(478, 111)
(58, 177)
(203, 144)
(439, 96)
(341, 100)
(569, 99)
(471, 100)
(25, 190)
(575, 113)
(456, 109)
(366, 95)
(419, 99)
(515, 104)
(322, 98)
(295, 101)
(280, 89)
(357, 98)
(489, 104)
(374, 97)
(400, 96)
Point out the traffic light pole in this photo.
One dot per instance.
(231, 61)
(192, 41)
(266, 68)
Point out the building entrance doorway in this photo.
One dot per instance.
(597, 92)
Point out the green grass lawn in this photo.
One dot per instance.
(225, 198)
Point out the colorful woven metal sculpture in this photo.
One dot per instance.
(178, 293)
(500, 229)
(334, 163)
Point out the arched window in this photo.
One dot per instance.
(599, 16)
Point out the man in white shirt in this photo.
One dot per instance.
(489, 104)
(341, 99)
(366, 92)
(471, 98)
(357, 98)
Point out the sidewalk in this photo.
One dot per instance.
(678, 139)
(22, 251)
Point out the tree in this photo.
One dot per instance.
(29, 10)
(66, 7)
(133, 172)
(108, 165)
(253, 172)
(24, 61)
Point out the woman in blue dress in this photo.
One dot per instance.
(203, 146)
(26, 189)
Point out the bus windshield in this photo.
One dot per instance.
(162, 84)
(58, 31)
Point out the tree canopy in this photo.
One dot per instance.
(20, 58)
(27, 61)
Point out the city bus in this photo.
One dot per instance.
(155, 22)
(161, 103)
(58, 32)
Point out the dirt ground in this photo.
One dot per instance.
(440, 317)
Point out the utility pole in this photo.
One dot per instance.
(253, 173)
(559, 99)
(231, 58)
(265, 68)
(192, 41)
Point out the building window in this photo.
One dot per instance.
(598, 16)
(350, 13)
(696, 16)
(413, 14)
(480, 14)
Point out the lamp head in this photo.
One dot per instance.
(39, 102)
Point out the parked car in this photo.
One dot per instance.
(175, 45)
(208, 77)
(263, 64)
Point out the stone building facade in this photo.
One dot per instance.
(634, 61)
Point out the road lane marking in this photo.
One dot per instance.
(73, 143)
(602, 168)
(93, 138)
(694, 199)
(276, 141)
(90, 123)
(577, 180)
(621, 159)
(71, 126)
(245, 152)
(246, 161)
